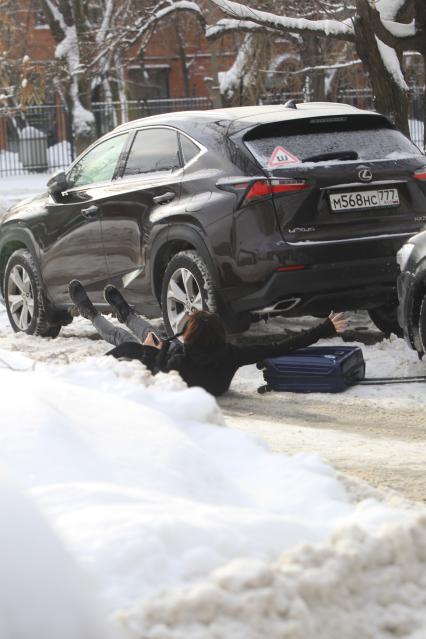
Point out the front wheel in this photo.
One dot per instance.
(385, 318)
(187, 287)
(23, 296)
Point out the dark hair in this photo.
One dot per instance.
(204, 329)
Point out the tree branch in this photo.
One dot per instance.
(333, 28)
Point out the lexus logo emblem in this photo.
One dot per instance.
(365, 174)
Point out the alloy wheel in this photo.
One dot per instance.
(20, 296)
(183, 297)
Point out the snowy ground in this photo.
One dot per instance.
(190, 529)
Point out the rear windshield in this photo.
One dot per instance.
(333, 139)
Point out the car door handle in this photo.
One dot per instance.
(90, 212)
(164, 198)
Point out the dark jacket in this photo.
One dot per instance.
(214, 369)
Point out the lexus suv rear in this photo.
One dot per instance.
(252, 211)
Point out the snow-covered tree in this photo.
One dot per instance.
(92, 38)
(353, 23)
(409, 35)
(22, 81)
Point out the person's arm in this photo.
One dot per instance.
(168, 358)
(258, 352)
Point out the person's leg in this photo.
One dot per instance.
(137, 324)
(112, 334)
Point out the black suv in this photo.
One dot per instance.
(251, 211)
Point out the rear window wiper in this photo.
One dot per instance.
(336, 155)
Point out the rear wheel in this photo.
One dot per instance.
(187, 286)
(385, 318)
(23, 295)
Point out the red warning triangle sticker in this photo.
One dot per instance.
(281, 157)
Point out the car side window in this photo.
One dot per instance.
(189, 149)
(98, 165)
(153, 150)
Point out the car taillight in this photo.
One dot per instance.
(257, 188)
(421, 174)
(268, 188)
(290, 267)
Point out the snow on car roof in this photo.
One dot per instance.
(256, 114)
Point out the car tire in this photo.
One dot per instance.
(24, 299)
(422, 323)
(386, 320)
(187, 286)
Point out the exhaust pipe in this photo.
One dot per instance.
(279, 307)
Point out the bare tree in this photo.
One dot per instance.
(92, 39)
(380, 58)
(409, 35)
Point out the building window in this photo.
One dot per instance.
(38, 15)
(158, 80)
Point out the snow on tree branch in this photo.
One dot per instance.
(336, 28)
(144, 27)
(392, 64)
(388, 11)
(226, 26)
(240, 73)
(400, 29)
(395, 34)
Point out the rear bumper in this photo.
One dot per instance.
(321, 289)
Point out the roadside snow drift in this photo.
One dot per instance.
(190, 529)
(41, 592)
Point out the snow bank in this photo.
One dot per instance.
(42, 594)
(368, 585)
(140, 484)
(181, 522)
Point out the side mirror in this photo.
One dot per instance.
(57, 183)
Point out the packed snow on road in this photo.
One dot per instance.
(136, 491)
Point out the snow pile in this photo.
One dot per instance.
(369, 585)
(183, 523)
(37, 574)
(16, 188)
(145, 490)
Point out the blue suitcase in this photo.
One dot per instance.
(316, 369)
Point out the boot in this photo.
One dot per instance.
(117, 302)
(81, 300)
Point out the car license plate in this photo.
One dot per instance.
(379, 198)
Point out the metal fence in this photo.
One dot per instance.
(38, 139)
(110, 115)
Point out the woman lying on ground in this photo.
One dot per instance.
(203, 357)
